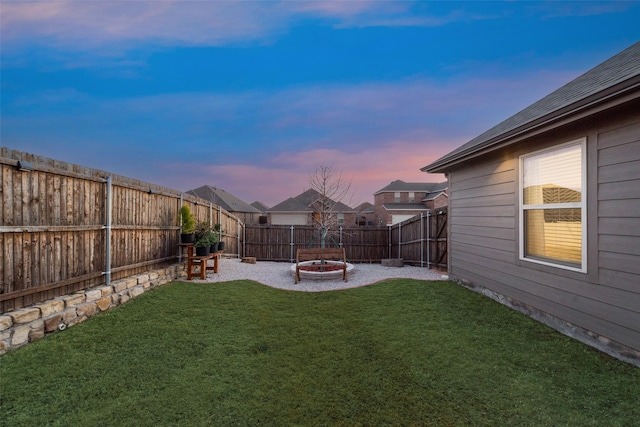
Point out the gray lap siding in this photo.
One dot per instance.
(483, 233)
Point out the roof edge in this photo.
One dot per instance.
(616, 95)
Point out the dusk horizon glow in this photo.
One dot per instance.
(251, 97)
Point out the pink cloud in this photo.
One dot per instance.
(287, 174)
(123, 24)
(87, 24)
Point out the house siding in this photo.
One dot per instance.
(619, 209)
(604, 303)
(288, 218)
(306, 218)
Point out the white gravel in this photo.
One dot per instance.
(279, 275)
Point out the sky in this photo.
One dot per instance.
(253, 96)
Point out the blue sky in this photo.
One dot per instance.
(252, 96)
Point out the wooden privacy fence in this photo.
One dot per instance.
(65, 227)
(280, 242)
(421, 240)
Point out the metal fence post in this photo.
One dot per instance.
(421, 239)
(238, 226)
(429, 239)
(291, 245)
(220, 222)
(108, 232)
(399, 240)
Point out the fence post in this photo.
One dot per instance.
(421, 239)
(429, 239)
(341, 244)
(390, 238)
(181, 201)
(400, 240)
(107, 228)
(220, 222)
(291, 244)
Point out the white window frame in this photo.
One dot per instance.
(582, 205)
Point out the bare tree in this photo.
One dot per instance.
(330, 190)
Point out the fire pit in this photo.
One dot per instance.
(330, 270)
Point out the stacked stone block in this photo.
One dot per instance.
(28, 324)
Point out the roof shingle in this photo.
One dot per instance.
(303, 201)
(221, 198)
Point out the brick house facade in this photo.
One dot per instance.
(402, 200)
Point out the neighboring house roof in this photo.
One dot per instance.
(365, 207)
(401, 186)
(613, 78)
(434, 195)
(290, 205)
(302, 203)
(260, 206)
(221, 198)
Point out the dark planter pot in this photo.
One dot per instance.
(188, 237)
(202, 250)
(213, 248)
(221, 246)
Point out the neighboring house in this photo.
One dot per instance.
(263, 209)
(227, 201)
(298, 211)
(401, 200)
(366, 214)
(544, 208)
(260, 206)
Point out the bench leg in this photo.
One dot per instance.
(203, 269)
(189, 269)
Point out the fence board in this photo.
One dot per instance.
(280, 242)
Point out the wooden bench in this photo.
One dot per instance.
(201, 263)
(320, 254)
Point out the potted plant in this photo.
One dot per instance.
(217, 229)
(187, 224)
(214, 243)
(204, 238)
(202, 245)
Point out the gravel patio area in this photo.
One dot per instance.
(279, 275)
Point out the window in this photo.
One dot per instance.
(340, 218)
(396, 197)
(412, 197)
(553, 206)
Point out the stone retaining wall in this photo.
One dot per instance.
(26, 325)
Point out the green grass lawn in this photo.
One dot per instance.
(402, 352)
